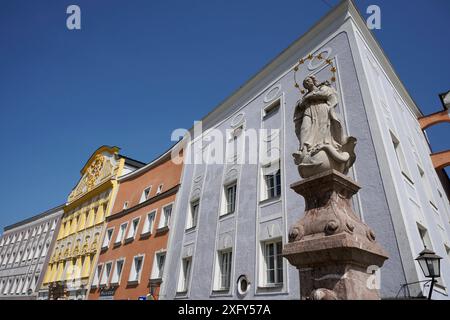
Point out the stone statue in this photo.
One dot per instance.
(323, 143)
(330, 246)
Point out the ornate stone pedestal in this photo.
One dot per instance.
(334, 251)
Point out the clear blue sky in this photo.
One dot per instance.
(139, 69)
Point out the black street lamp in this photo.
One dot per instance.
(430, 263)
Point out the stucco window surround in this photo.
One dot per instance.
(136, 269)
(229, 198)
(149, 223)
(184, 279)
(119, 265)
(223, 271)
(107, 239)
(121, 233)
(426, 185)
(271, 264)
(160, 189)
(193, 211)
(271, 109)
(106, 274)
(97, 275)
(165, 217)
(145, 194)
(132, 230)
(271, 186)
(159, 261)
(401, 160)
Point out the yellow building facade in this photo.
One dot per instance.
(75, 253)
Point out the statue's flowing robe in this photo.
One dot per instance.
(315, 120)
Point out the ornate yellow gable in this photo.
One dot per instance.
(100, 167)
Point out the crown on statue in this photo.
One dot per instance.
(310, 57)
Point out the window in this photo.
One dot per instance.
(158, 266)
(118, 268)
(46, 227)
(136, 268)
(106, 273)
(125, 205)
(36, 254)
(400, 156)
(39, 230)
(97, 275)
(108, 237)
(44, 252)
(26, 285)
(185, 274)
(193, 214)
(273, 184)
(145, 194)
(426, 241)
(20, 237)
(19, 287)
(34, 232)
(133, 229)
(273, 263)
(165, 217)
(271, 109)
(149, 222)
(53, 225)
(159, 190)
(426, 186)
(121, 233)
(224, 269)
(230, 198)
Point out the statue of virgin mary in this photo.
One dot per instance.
(323, 143)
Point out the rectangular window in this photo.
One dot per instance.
(273, 263)
(159, 190)
(273, 184)
(165, 217)
(133, 229)
(106, 274)
(193, 214)
(185, 274)
(125, 205)
(426, 186)
(121, 233)
(400, 156)
(149, 222)
(271, 109)
(98, 273)
(158, 266)
(224, 269)
(108, 237)
(136, 268)
(145, 194)
(117, 274)
(230, 198)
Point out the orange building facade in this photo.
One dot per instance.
(133, 249)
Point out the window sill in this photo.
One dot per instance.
(146, 234)
(117, 244)
(128, 240)
(221, 293)
(181, 294)
(162, 229)
(270, 201)
(133, 282)
(191, 229)
(226, 215)
(156, 281)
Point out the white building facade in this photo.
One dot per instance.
(24, 252)
(232, 218)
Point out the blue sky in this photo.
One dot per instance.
(139, 69)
